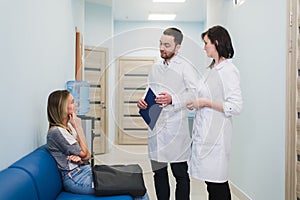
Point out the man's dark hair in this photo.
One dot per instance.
(176, 33)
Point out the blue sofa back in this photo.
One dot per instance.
(41, 166)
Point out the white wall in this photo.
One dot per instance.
(37, 54)
(258, 30)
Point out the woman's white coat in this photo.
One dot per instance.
(212, 129)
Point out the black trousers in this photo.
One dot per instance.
(218, 191)
(161, 180)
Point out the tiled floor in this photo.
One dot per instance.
(130, 154)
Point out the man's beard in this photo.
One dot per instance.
(167, 56)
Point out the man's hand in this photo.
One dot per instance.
(164, 99)
(141, 104)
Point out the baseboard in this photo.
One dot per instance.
(238, 192)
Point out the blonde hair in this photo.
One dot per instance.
(57, 108)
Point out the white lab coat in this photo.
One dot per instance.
(212, 129)
(170, 140)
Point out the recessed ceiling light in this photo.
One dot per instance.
(168, 1)
(161, 16)
(238, 2)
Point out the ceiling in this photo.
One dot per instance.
(138, 10)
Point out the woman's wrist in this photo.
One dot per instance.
(208, 103)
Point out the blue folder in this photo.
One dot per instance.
(152, 112)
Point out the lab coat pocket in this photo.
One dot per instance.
(213, 127)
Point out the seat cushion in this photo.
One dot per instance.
(16, 184)
(41, 166)
(71, 196)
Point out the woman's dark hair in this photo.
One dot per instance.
(220, 37)
(176, 33)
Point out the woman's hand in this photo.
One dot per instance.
(197, 103)
(74, 120)
(74, 159)
(202, 102)
(190, 104)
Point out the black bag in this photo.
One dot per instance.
(118, 180)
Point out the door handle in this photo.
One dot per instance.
(103, 105)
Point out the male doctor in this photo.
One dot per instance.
(174, 81)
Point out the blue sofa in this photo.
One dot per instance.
(36, 176)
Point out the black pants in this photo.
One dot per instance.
(161, 180)
(218, 191)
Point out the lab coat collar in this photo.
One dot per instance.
(223, 63)
(175, 59)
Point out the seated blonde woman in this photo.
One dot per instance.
(67, 144)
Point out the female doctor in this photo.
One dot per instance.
(219, 98)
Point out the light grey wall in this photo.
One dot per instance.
(258, 30)
(37, 54)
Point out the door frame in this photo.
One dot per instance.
(291, 100)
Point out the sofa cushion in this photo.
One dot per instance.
(71, 196)
(16, 184)
(41, 166)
